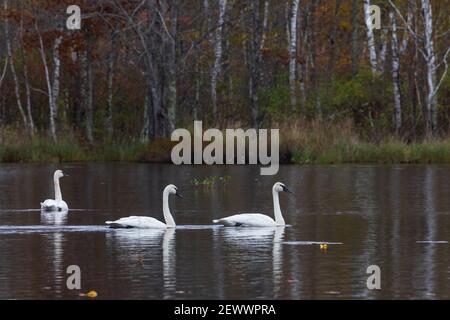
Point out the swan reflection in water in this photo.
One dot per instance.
(251, 244)
(54, 218)
(55, 246)
(137, 245)
(169, 263)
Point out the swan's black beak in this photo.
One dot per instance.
(179, 195)
(65, 175)
(286, 190)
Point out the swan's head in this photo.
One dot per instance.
(279, 187)
(172, 189)
(59, 174)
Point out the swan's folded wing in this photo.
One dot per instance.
(129, 222)
(114, 224)
(62, 205)
(136, 222)
(247, 219)
(49, 205)
(54, 205)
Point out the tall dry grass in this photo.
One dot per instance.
(339, 142)
(301, 142)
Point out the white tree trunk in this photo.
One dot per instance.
(55, 85)
(431, 66)
(16, 86)
(217, 56)
(370, 38)
(395, 73)
(383, 50)
(13, 69)
(293, 53)
(49, 84)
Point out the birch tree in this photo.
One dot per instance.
(429, 55)
(13, 68)
(52, 80)
(264, 54)
(293, 53)
(145, 31)
(217, 56)
(383, 50)
(370, 38)
(395, 73)
(55, 78)
(430, 58)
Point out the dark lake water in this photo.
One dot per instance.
(396, 217)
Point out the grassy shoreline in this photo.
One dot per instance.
(40, 150)
(301, 142)
(389, 152)
(392, 152)
(318, 142)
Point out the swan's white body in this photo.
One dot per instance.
(54, 205)
(248, 220)
(137, 222)
(149, 222)
(258, 219)
(57, 204)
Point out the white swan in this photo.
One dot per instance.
(57, 204)
(149, 222)
(257, 219)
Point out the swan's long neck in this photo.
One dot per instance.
(58, 195)
(277, 210)
(166, 211)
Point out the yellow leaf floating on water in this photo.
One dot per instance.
(90, 294)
